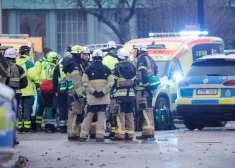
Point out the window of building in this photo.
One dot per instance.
(34, 24)
(5, 22)
(71, 29)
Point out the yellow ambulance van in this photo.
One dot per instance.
(16, 41)
(174, 57)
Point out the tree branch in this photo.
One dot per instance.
(100, 17)
(132, 11)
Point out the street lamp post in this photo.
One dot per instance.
(201, 14)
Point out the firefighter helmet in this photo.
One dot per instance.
(141, 47)
(10, 53)
(52, 56)
(122, 53)
(77, 49)
(86, 50)
(97, 53)
(111, 44)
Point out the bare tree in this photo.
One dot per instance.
(125, 10)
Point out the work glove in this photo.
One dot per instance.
(100, 94)
(95, 93)
(81, 99)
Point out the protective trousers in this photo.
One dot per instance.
(63, 109)
(41, 108)
(112, 118)
(27, 103)
(100, 126)
(125, 121)
(74, 117)
(50, 110)
(19, 113)
(147, 110)
(93, 125)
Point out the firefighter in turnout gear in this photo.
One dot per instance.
(111, 60)
(41, 103)
(16, 80)
(73, 71)
(29, 91)
(124, 75)
(59, 85)
(98, 80)
(145, 67)
(48, 92)
(85, 63)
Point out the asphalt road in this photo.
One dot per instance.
(210, 148)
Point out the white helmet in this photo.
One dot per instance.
(97, 53)
(140, 47)
(86, 50)
(10, 53)
(122, 53)
(111, 44)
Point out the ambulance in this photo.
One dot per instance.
(16, 41)
(174, 56)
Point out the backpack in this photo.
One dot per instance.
(164, 120)
(47, 87)
(127, 70)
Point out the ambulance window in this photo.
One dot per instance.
(174, 69)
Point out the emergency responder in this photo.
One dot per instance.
(144, 95)
(4, 69)
(59, 85)
(98, 80)
(67, 51)
(48, 92)
(124, 75)
(16, 80)
(110, 60)
(41, 103)
(85, 63)
(73, 71)
(29, 91)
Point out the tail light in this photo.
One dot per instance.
(183, 83)
(229, 83)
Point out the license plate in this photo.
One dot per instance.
(206, 91)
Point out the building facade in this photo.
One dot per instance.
(58, 24)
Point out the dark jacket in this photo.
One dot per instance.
(97, 77)
(56, 74)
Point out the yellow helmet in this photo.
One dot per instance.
(77, 49)
(52, 56)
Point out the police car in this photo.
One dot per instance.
(207, 93)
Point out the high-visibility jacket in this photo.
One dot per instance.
(28, 66)
(110, 61)
(47, 71)
(124, 75)
(38, 66)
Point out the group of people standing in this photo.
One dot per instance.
(85, 93)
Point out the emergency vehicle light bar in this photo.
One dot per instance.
(182, 33)
(14, 35)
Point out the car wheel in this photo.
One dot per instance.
(192, 123)
(161, 103)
